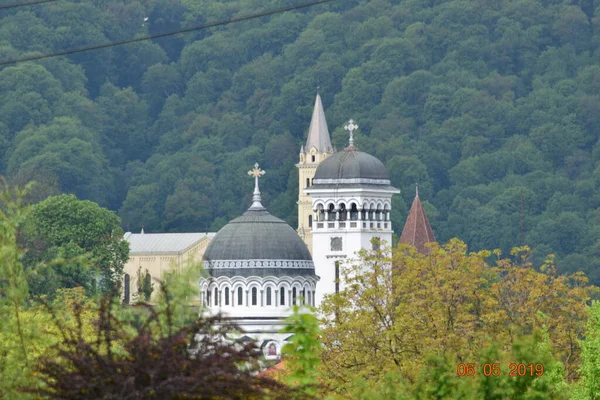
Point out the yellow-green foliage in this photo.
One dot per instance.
(399, 311)
(40, 332)
(27, 329)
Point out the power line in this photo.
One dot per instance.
(30, 3)
(159, 35)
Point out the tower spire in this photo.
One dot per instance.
(318, 133)
(256, 198)
(417, 230)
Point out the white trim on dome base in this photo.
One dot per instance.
(352, 180)
(216, 264)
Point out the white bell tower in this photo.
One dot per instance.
(351, 203)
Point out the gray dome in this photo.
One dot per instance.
(351, 164)
(257, 244)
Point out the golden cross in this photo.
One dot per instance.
(256, 172)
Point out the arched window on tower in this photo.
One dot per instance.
(307, 182)
(216, 297)
(293, 296)
(313, 158)
(282, 296)
(226, 296)
(331, 212)
(353, 212)
(208, 297)
(269, 296)
(240, 296)
(310, 221)
(254, 296)
(343, 212)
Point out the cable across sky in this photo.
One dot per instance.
(28, 3)
(160, 35)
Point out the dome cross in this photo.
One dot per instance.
(351, 127)
(256, 199)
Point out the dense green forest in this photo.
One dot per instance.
(493, 107)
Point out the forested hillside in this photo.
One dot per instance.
(493, 107)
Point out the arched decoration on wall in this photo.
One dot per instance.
(254, 296)
(282, 295)
(240, 296)
(269, 300)
(343, 212)
(319, 209)
(379, 211)
(331, 214)
(353, 211)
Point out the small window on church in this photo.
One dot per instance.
(294, 296)
(309, 300)
(254, 296)
(127, 289)
(226, 296)
(375, 243)
(216, 297)
(208, 297)
(303, 296)
(282, 296)
(268, 296)
(313, 158)
(307, 182)
(336, 244)
(240, 297)
(310, 221)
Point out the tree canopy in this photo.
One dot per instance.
(492, 107)
(417, 318)
(70, 243)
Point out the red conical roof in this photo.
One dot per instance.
(417, 230)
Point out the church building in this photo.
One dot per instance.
(257, 266)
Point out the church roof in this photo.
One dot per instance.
(417, 230)
(257, 244)
(257, 235)
(318, 133)
(163, 243)
(351, 164)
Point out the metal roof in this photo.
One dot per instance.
(351, 164)
(417, 230)
(257, 235)
(318, 133)
(163, 243)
